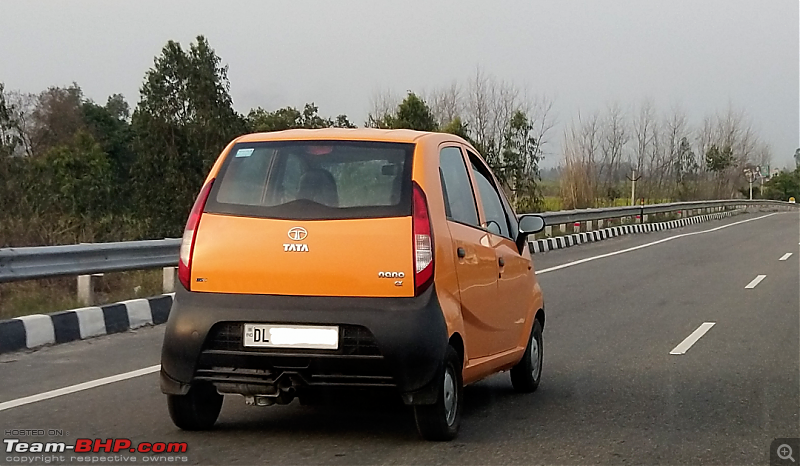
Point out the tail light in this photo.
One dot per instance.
(423, 242)
(189, 235)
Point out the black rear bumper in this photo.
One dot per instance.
(383, 342)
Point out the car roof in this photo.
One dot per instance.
(357, 134)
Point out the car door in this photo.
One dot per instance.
(475, 258)
(513, 284)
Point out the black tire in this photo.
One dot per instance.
(197, 410)
(525, 376)
(441, 420)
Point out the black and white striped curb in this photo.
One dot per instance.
(77, 324)
(561, 242)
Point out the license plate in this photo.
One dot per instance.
(291, 336)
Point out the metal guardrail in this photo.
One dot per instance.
(17, 264)
(587, 215)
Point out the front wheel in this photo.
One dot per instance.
(440, 421)
(525, 376)
(197, 410)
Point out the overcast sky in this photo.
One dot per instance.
(700, 54)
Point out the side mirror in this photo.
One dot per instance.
(530, 224)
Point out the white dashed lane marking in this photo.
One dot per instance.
(684, 346)
(755, 281)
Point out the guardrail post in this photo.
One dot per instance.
(563, 228)
(600, 224)
(168, 279)
(86, 289)
(589, 225)
(644, 218)
(548, 230)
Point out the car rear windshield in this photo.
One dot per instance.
(314, 180)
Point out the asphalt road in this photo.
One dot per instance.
(611, 391)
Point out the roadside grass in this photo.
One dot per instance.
(551, 203)
(58, 294)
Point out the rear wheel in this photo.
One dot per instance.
(525, 376)
(197, 410)
(440, 421)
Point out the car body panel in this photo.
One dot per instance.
(336, 257)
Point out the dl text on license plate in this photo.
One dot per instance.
(291, 336)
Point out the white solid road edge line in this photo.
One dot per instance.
(622, 251)
(684, 346)
(785, 256)
(77, 388)
(755, 282)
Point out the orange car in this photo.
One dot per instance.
(316, 261)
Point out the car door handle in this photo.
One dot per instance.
(462, 253)
(501, 261)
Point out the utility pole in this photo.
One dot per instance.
(633, 178)
(751, 176)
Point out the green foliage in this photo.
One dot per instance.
(110, 127)
(184, 118)
(74, 179)
(341, 121)
(412, 113)
(459, 128)
(518, 167)
(686, 169)
(719, 160)
(62, 196)
(260, 120)
(782, 186)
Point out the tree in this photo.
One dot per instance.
(519, 166)
(382, 103)
(185, 117)
(9, 138)
(109, 126)
(75, 178)
(447, 104)
(260, 120)
(341, 121)
(719, 160)
(56, 117)
(685, 167)
(15, 109)
(459, 128)
(411, 113)
(782, 186)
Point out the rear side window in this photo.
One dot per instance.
(314, 180)
(492, 205)
(458, 197)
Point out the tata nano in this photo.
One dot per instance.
(321, 261)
